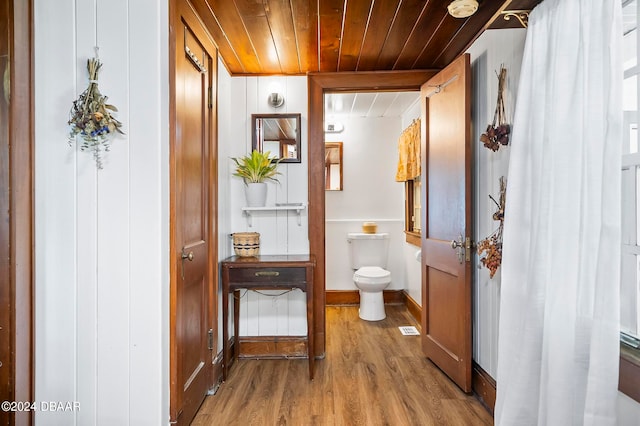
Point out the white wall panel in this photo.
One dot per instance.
(339, 275)
(56, 268)
(298, 177)
(413, 268)
(492, 49)
(87, 245)
(370, 193)
(113, 222)
(274, 314)
(239, 145)
(149, 213)
(102, 236)
(370, 157)
(225, 140)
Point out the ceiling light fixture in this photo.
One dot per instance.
(462, 8)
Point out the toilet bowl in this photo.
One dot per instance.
(371, 281)
(368, 254)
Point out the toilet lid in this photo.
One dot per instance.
(372, 273)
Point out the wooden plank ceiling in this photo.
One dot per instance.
(266, 37)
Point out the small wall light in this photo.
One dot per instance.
(462, 8)
(276, 99)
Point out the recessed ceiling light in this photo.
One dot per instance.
(462, 8)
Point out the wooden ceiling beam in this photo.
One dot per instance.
(256, 26)
(459, 42)
(230, 21)
(449, 29)
(225, 48)
(280, 18)
(357, 16)
(434, 18)
(331, 22)
(400, 32)
(305, 18)
(292, 37)
(377, 32)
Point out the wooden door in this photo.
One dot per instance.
(446, 195)
(7, 301)
(193, 220)
(16, 209)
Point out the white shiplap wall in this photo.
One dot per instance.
(370, 193)
(101, 237)
(225, 148)
(280, 233)
(491, 50)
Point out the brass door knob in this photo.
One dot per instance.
(188, 256)
(458, 246)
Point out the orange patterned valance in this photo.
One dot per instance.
(409, 153)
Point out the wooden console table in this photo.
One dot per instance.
(281, 272)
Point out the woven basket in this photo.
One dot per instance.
(246, 244)
(369, 227)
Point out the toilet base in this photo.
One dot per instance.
(372, 306)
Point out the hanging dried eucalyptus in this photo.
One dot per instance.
(498, 131)
(90, 116)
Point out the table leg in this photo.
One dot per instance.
(310, 327)
(236, 324)
(225, 332)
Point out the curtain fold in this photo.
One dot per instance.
(558, 342)
(409, 153)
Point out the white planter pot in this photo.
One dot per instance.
(256, 194)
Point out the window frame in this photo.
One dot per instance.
(412, 237)
(629, 375)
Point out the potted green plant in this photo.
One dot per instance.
(255, 169)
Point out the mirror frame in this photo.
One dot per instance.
(334, 145)
(255, 144)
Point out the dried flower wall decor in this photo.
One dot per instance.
(91, 118)
(492, 245)
(498, 131)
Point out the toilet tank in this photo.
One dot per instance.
(368, 249)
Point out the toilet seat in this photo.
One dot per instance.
(372, 275)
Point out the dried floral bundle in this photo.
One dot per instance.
(491, 246)
(498, 131)
(492, 249)
(90, 116)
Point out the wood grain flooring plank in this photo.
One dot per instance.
(371, 375)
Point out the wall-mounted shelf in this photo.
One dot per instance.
(297, 207)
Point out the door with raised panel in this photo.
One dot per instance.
(193, 241)
(446, 241)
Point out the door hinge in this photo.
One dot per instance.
(468, 245)
(210, 338)
(210, 95)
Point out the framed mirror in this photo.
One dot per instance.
(333, 166)
(277, 133)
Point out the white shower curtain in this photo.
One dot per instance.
(559, 312)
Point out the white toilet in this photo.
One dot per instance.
(368, 254)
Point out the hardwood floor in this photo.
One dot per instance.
(372, 375)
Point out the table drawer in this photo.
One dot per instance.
(267, 275)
